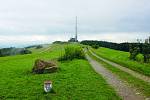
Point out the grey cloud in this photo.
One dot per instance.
(48, 17)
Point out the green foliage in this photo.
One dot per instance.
(139, 58)
(116, 46)
(146, 53)
(134, 51)
(95, 46)
(57, 42)
(60, 42)
(25, 51)
(39, 46)
(72, 52)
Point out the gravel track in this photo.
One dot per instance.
(126, 92)
(131, 72)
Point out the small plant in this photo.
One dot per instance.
(72, 53)
(95, 46)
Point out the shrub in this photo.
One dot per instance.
(25, 51)
(39, 46)
(146, 52)
(134, 51)
(71, 53)
(95, 46)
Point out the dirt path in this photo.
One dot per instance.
(133, 73)
(121, 88)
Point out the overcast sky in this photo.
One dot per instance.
(24, 22)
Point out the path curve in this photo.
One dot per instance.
(126, 92)
(133, 73)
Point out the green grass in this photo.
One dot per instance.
(35, 50)
(75, 79)
(140, 85)
(122, 58)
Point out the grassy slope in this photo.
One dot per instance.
(140, 85)
(74, 80)
(44, 47)
(122, 58)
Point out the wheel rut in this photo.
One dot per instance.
(131, 72)
(126, 92)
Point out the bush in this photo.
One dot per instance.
(71, 53)
(95, 46)
(25, 51)
(146, 52)
(39, 46)
(134, 51)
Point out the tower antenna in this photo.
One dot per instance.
(76, 31)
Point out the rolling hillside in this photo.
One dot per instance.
(74, 80)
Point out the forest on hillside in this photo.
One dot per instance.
(13, 51)
(133, 48)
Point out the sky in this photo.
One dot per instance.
(27, 22)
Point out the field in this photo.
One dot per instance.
(122, 58)
(75, 79)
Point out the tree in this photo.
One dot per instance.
(95, 46)
(39, 46)
(134, 51)
(146, 52)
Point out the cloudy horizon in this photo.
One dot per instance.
(27, 22)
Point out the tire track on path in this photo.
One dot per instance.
(131, 72)
(126, 92)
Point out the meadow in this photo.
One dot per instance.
(75, 79)
(122, 58)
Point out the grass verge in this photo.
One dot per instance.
(122, 58)
(140, 85)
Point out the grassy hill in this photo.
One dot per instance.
(75, 79)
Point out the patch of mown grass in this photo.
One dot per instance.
(79, 81)
(122, 58)
(74, 81)
(140, 85)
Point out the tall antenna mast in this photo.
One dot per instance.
(76, 31)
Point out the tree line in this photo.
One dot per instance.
(13, 51)
(111, 45)
(133, 48)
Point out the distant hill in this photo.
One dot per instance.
(13, 51)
